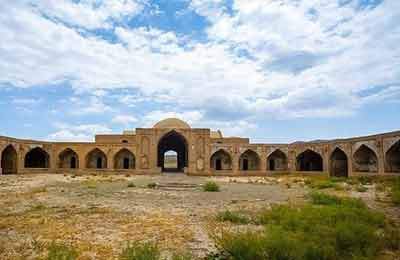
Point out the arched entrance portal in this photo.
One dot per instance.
(339, 167)
(9, 160)
(173, 141)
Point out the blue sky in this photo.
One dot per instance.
(271, 70)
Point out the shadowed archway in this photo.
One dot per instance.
(220, 161)
(124, 159)
(393, 158)
(277, 161)
(309, 161)
(68, 159)
(37, 158)
(249, 161)
(96, 159)
(9, 160)
(172, 141)
(339, 164)
(365, 160)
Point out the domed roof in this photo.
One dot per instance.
(171, 123)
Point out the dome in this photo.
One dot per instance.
(171, 123)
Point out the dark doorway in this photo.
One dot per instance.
(37, 158)
(68, 159)
(245, 164)
(271, 165)
(218, 164)
(99, 163)
(173, 141)
(124, 159)
(365, 160)
(73, 162)
(9, 160)
(309, 161)
(126, 163)
(393, 158)
(221, 160)
(96, 159)
(339, 166)
(277, 161)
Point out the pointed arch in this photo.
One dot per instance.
(309, 160)
(221, 160)
(96, 159)
(68, 159)
(124, 159)
(277, 161)
(392, 158)
(339, 163)
(9, 160)
(365, 160)
(37, 158)
(249, 161)
(173, 141)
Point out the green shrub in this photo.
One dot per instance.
(395, 191)
(234, 217)
(211, 186)
(318, 198)
(326, 184)
(152, 185)
(59, 251)
(361, 188)
(181, 256)
(330, 228)
(365, 180)
(140, 251)
(131, 185)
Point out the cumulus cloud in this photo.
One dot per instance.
(83, 132)
(124, 119)
(89, 14)
(262, 58)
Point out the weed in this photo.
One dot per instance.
(59, 251)
(152, 185)
(361, 188)
(234, 217)
(140, 251)
(211, 186)
(395, 191)
(330, 228)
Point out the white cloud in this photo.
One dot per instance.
(245, 70)
(90, 14)
(83, 132)
(124, 119)
(86, 106)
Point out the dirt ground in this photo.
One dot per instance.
(99, 214)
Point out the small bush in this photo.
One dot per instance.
(140, 251)
(318, 198)
(181, 256)
(320, 185)
(361, 188)
(131, 185)
(211, 186)
(331, 228)
(234, 217)
(58, 251)
(395, 191)
(152, 185)
(366, 180)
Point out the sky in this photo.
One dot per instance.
(275, 71)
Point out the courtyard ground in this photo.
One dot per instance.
(99, 214)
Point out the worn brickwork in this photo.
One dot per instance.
(201, 152)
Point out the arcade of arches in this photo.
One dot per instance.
(171, 145)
